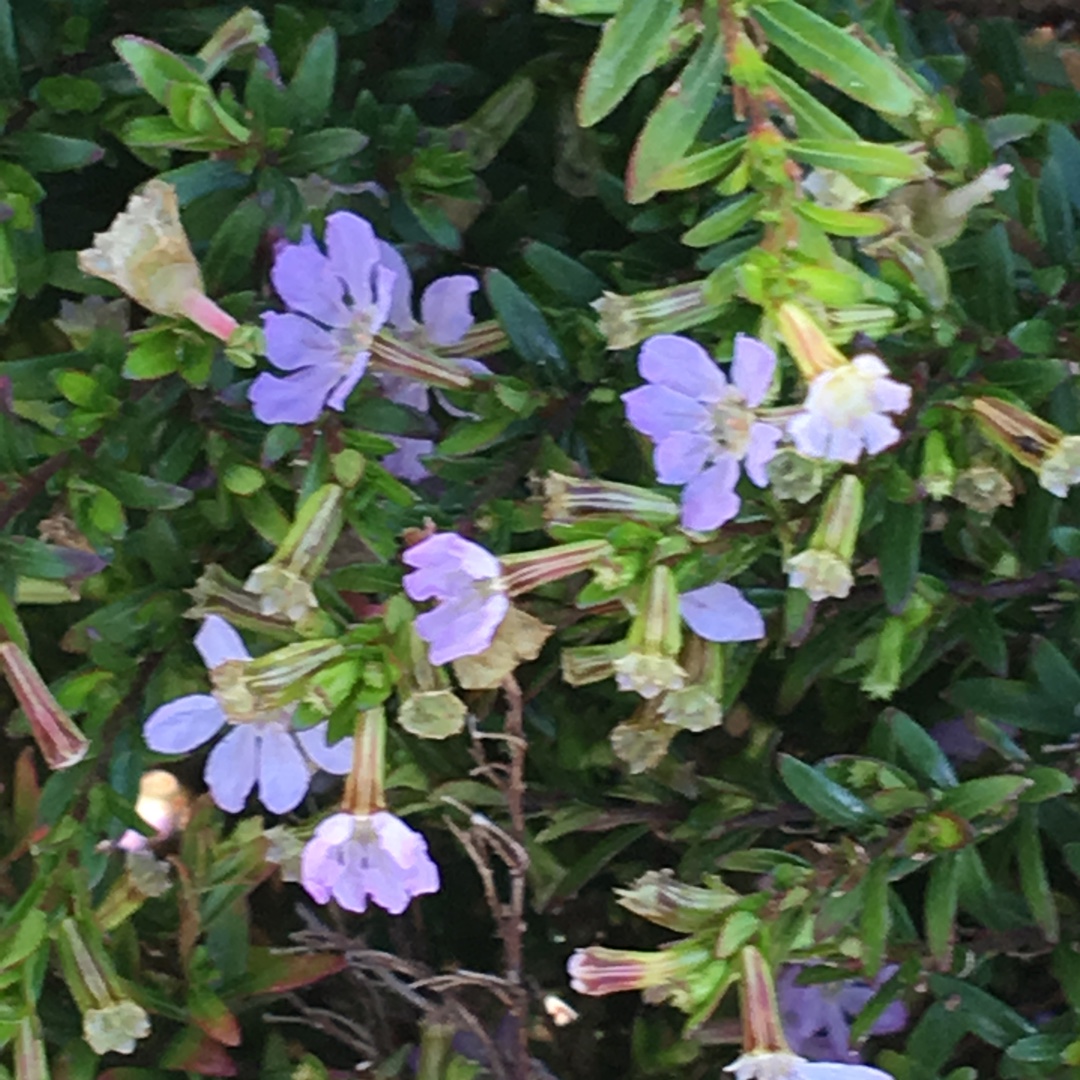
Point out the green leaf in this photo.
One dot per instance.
(232, 251)
(525, 326)
(942, 894)
(700, 168)
(973, 798)
(920, 749)
(316, 150)
(41, 151)
(27, 939)
(632, 44)
(1059, 224)
(992, 1020)
(312, 87)
(837, 57)
(153, 357)
(28, 557)
(1032, 380)
(155, 68)
(674, 123)
(862, 158)
(1034, 880)
(899, 549)
(825, 797)
(980, 628)
(876, 918)
(813, 120)
(1055, 675)
(843, 222)
(471, 435)
(573, 280)
(724, 223)
(10, 84)
(1012, 702)
(143, 492)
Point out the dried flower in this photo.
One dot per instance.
(704, 426)
(983, 488)
(824, 568)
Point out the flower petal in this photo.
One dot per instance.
(448, 553)
(719, 612)
(709, 500)
(304, 279)
(461, 626)
(319, 870)
(294, 342)
(810, 434)
(336, 759)
(445, 310)
(297, 399)
(828, 1070)
(878, 433)
(760, 451)
(682, 365)
(658, 411)
(405, 462)
(218, 642)
(752, 368)
(183, 724)
(844, 445)
(680, 457)
(340, 393)
(401, 313)
(353, 253)
(232, 767)
(284, 775)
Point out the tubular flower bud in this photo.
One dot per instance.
(938, 470)
(568, 499)
(60, 741)
(627, 320)
(807, 342)
(597, 971)
(824, 568)
(30, 1060)
(283, 584)
(659, 897)
(111, 1020)
(145, 253)
(650, 665)
(525, 572)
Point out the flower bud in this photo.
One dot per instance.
(824, 568)
(145, 253)
(1019, 433)
(983, 488)
(697, 706)
(659, 897)
(30, 1060)
(111, 1020)
(627, 320)
(392, 354)
(794, 477)
(807, 342)
(650, 665)
(283, 584)
(568, 499)
(60, 741)
(585, 664)
(762, 1031)
(529, 570)
(938, 470)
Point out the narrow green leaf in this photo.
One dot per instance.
(942, 892)
(812, 119)
(311, 90)
(724, 223)
(899, 549)
(232, 251)
(1055, 675)
(836, 57)
(41, 151)
(876, 917)
(980, 628)
(633, 42)
(1012, 702)
(1034, 880)
(920, 749)
(525, 325)
(871, 159)
(562, 273)
(992, 1020)
(155, 68)
(10, 83)
(697, 169)
(674, 123)
(843, 222)
(825, 797)
(974, 798)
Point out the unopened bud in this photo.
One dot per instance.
(627, 320)
(659, 897)
(824, 568)
(807, 342)
(568, 499)
(650, 665)
(938, 473)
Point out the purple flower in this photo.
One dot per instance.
(339, 301)
(466, 579)
(781, 1066)
(721, 613)
(264, 751)
(704, 426)
(845, 411)
(353, 857)
(817, 1017)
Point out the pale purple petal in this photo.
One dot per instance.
(405, 462)
(379, 310)
(810, 434)
(353, 253)
(682, 365)
(680, 457)
(720, 612)
(891, 396)
(318, 871)
(296, 399)
(453, 552)
(878, 433)
(283, 773)
(183, 724)
(844, 445)
(218, 642)
(336, 829)
(340, 393)
(401, 313)
(405, 391)
(658, 411)
(827, 1070)
(445, 310)
(294, 342)
(232, 767)
(336, 759)
(760, 450)
(869, 365)
(461, 627)
(709, 500)
(752, 368)
(304, 279)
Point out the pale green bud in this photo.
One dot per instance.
(938, 470)
(824, 568)
(627, 320)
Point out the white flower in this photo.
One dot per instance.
(1061, 467)
(781, 1066)
(845, 411)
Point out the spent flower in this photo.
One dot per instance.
(705, 426)
(824, 568)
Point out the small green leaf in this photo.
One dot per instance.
(632, 44)
(920, 749)
(311, 90)
(10, 86)
(697, 169)
(980, 628)
(843, 222)
(876, 918)
(562, 273)
(41, 151)
(155, 68)
(899, 549)
(724, 223)
(983, 795)
(525, 325)
(837, 57)
(813, 120)
(1012, 702)
(824, 796)
(942, 894)
(674, 123)
(317, 149)
(1034, 880)
(153, 357)
(862, 158)
(232, 251)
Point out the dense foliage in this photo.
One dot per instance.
(487, 677)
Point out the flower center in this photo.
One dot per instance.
(843, 395)
(357, 336)
(731, 423)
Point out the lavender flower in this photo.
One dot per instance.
(817, 1017)
(354, 857)
(783, 1066)
(263, 751)
(703, 425)
(720, 612)
(466, 579)
(339, 301)
(845, 411)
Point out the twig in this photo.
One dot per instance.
(1041, 582)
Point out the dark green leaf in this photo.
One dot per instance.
(899, 549)
(312, 87)
(920, 749)
(825, 797)
(525, 325)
